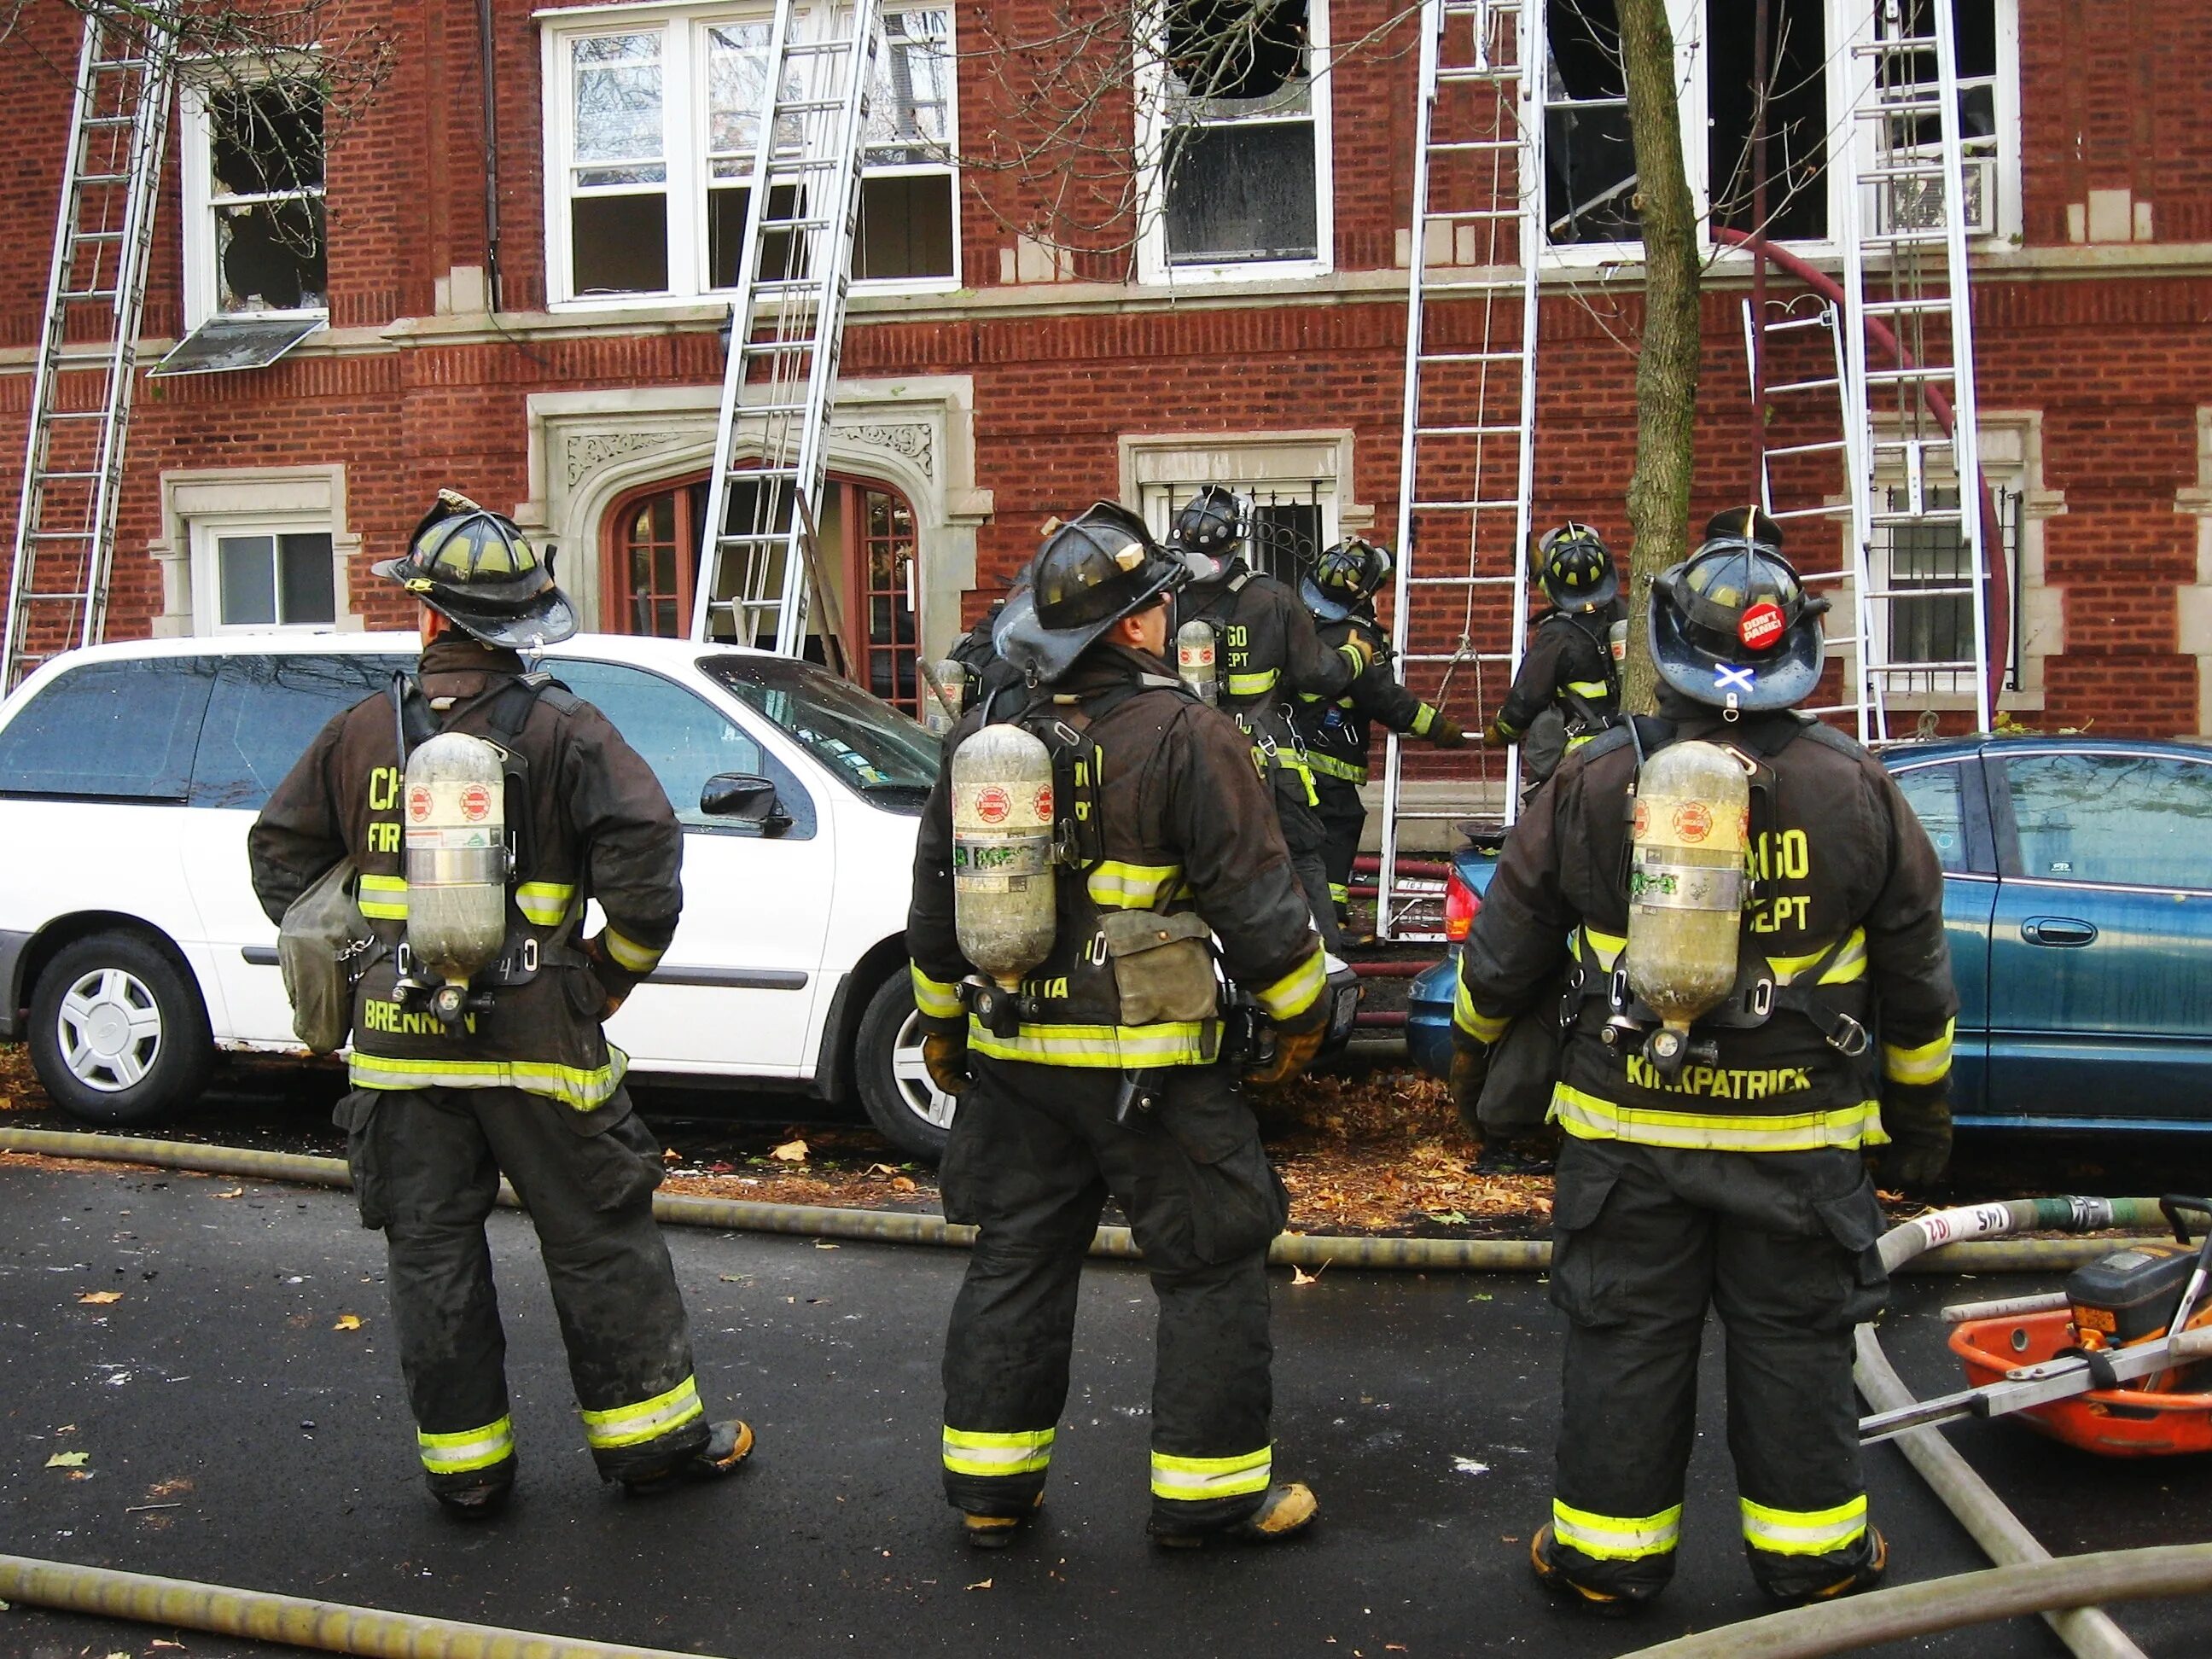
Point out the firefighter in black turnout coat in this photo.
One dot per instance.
(1334, 732)
(1730, 1174)
(1115, 1070)
(526, 1087)
(1567, 689)
(1269, 652)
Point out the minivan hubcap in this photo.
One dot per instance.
(111, 1030)
(923, 1098)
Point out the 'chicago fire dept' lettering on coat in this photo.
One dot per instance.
(597, 826)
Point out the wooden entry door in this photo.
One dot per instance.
(651, 565)
(883, 568)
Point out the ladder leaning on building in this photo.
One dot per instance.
(759, 574)
(88, 348)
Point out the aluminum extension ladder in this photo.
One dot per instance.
(88, 350)
(1807, 478)
(760, 563)
(1912, 413)
(1467, 448)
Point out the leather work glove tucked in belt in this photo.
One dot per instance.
(944, 1056)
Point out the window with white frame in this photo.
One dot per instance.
(1237, 144)
(652, 123)
(1806, 95)
(1922, 617)
(255, 576)
(252, 167)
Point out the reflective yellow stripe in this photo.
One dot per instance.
(1483, 1027)
(648, 1419)
(1197, 1480)
(1850, 963)
(1929, 1063)
(471, 1449)
(970, 1451)
(1182, 1043)
(629, 953)
(1592, 689)
(1356, 654)
(1329, 767)
(1590, 1118)
(1254, 685)
(1804, 1532)
(1114, 886)
(1616, 1537)
(933, 998)
(572, 1085)
(1423, 717)
(543, 903)
(383, 898)
(1605, 947)
(1292, 995)
(1339, 893)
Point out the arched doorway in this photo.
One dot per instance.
(649, 567)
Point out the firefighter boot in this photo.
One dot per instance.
(1864, 1575)
(476, 1500)
(729, 1442)
(995, 1532)
(1285, 1508)
(1605, 1604)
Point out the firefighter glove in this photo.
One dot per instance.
(1446, 734)
(1470, 1069)
(1298, 1039)
(1358, 650)
(1917, 1118)
(614, 981)
(1496, 734)
(945, 1055)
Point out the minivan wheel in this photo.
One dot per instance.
(118, 1033)
(911, 1111)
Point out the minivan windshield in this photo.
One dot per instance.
(866, 745)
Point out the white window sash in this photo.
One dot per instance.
(202, 245)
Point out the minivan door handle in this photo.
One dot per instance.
(2065, 931)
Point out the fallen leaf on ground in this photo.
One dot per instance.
(347, 1322)
(67, 1459)
(100, 1299)
(902, 1183)
(1300, 1276)
(670, 1155)
(791, 1151)
(1470, 1466)
(981, 1584)
(824, 1245)
(235, 1191)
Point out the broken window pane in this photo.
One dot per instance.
(1590, 158)
(906, 227)
(618, 245)
(1794, 92)
(910, 103)
(266, 139)
(618, 110)
(1241, 192)
(1237, 51)
(269, 257)
(265, 188)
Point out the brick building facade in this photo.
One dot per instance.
(1002, 364)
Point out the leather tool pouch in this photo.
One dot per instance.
(319, 947)
(1163, 965)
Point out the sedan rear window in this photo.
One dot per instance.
(867, 745)
(265, 712)
(112, 731)
(2135, 820)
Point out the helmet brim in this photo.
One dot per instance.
(546, 620)
(1781, 679)
(1042, 654)
(1603, 594)
(1320, 603)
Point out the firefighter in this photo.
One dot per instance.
(1269, 652)
(1568, 688)
(1339, 593)
(525, 1084)
(1713, 1136)
(1115, 1070)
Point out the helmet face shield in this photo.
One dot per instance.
(1732, 626)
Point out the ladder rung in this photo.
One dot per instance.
(96, 236)
(1803, 385)
(1898, 376)
(1898, 308)
(1513, 431)
(1456, 656)
(1790, 324)
(808, 106)
(1464, 507)
(103, 179)
(1472, 146)
(1813, 512)
(50, 477)
(1469, 72)
(1458, 581)
(1470, 356)
(816, 48)
(1827, 448)
(1922, 170)
(1458, 215)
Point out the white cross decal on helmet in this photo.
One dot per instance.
(1726, 678)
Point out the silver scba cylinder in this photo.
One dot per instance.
(1004, 908)
(456, 862)
(1196, 663)
(1686, 889)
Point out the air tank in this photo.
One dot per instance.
(1004, 906)
(456, 863)
(941, 704)
(1686, 889)
(1196, 660)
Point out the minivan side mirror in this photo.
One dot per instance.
(743, 799)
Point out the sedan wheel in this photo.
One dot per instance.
(110, 1030)
(909, 1110)
(118, 1034)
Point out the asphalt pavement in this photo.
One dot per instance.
(197, 1340)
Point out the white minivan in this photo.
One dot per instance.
(131, 946)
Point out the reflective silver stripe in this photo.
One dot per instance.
(933, 998)
(468, 1450)
(1616, 1537)
(1804, 1532)
(571, 1084)
(1195, 1479)
(629, 954)
(970, 1451)
(648, 1419)
(543, 903)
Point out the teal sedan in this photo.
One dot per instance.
(2077, 895)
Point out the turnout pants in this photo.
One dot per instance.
(1343, 817)
(1303, 832)
(1781, 1244)
(1033, 1155)
(425, 1167)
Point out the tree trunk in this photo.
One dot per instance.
(1667, 366)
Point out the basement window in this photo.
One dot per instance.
(1240, 138)
(260, 577)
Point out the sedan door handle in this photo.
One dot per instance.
(2065, 931)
